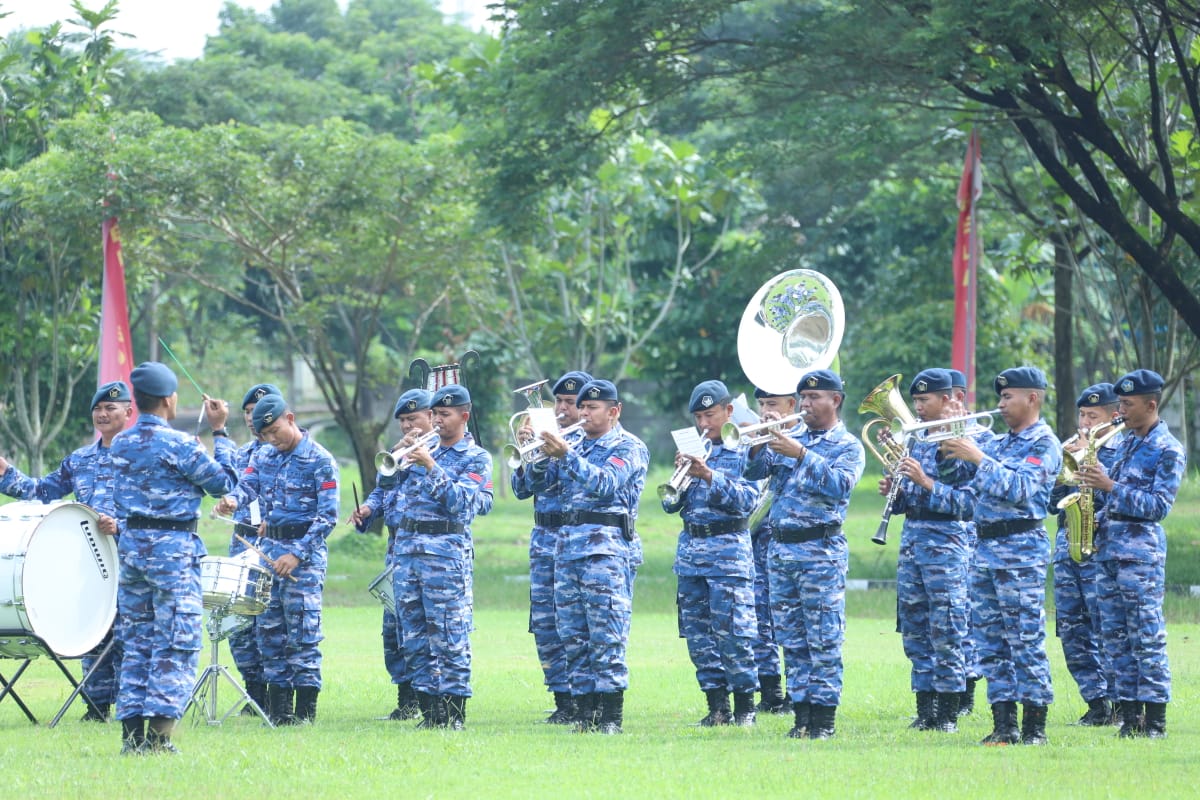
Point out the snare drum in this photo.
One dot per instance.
(381, 589)
(58, 580)
(235, 584)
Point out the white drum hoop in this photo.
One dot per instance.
(235, 585)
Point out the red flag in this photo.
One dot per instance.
(116, 348)
(966, 268)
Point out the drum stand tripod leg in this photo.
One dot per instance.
(204, 694)
(78, 690)
(7, 689)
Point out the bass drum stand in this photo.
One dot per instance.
(204, 695)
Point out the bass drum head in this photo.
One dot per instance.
(70, 580)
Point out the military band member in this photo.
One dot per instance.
(295, 481)
(935, 550)
(87, 473)
(548, 518)
(1008, 580)
(161, 475)
(243, 645)
(714, 565)
(600, 480)
(982, 435)
(433, 557)
(808, 555)
(1139, 490)
(1076, 602)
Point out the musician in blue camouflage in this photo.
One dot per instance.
(413, 412)
(547, 519)
(600, 479)
(1139, 492)
(295, 481)
(714, 563)
(161, 475)
(1008, 580)
(243, 645)
(433, 557)
(1076, 598)
(809, 557)
(934, 553)
(87, 473)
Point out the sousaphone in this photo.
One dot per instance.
(792, 325)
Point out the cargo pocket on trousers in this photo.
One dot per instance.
(310, 619)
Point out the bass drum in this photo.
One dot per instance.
(58, 580)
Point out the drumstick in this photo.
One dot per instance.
(261, 554)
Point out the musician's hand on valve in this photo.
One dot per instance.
(962, 448)
(699, 470)
(554, 445)
(423, 457)
(1095, 476)
(786, 446)
(1076, 445)
(225, 506)
(525, 432)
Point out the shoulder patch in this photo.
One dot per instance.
(616, 461)
(329, 485)
(475, 476)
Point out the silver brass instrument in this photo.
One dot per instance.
(886, 402)
(389, 462)
(941, 430)
(672, 491)
(1079, 508)
(734, 437)
(519, 455)
(533, 399)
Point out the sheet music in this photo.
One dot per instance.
(542, 420)
(255, 513)
(742, 415)
(688, 442)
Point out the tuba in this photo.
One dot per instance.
(891, 413)
(1079, 508)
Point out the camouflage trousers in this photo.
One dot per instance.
(1077, 624)
(243, 646)
(933, 611)
(766, 649)
(289, 630)
(393, 650)
(970, 642)
(161, 612)
(1134, 630)
(1010, 619)
(716, 617)
(101, 685)
(594, 604)
(808, 603)
(551, 653)
(434, 605)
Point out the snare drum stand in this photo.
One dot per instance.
(204, 695)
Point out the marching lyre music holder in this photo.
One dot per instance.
(204, 695)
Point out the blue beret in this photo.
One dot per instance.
(270, 408)
(597, 390)
(821, 379)
(957, 379)
(931, 380)
(451, 395)
(1140, 381)
(707, 395)
(1101, 394)
(154, 378)
(413, 400)
(1020, 378)
(761, 393)
(258, 391)
(571, 383)
(116, 391)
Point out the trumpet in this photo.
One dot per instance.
(389, 462)
(734, 437)
(941, 430)
(519, 455)
(672, 491)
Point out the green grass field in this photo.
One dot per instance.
(506, 752)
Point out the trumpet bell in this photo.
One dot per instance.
(792, 325)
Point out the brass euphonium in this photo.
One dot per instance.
(1079, 508)
(891, 413)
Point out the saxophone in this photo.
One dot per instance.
(1079, 507)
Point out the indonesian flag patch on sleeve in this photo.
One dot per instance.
(329, 485)
(1037, 462)
(475, 476)
(616, 461)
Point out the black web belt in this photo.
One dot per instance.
(701, 531)
(245, 531)
(924, 515)
(287, 533)
(994, 530)
(549, 519)
(152, 524)
(796, 535)
(432, 526)
(1123, 518)
(621, 521)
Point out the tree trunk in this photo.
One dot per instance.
(1064, 350)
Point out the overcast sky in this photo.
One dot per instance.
(177, 28)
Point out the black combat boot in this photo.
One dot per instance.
(1004, 724)
(926, 712)
(1099, 713)
(96, 712)
(425, 703)
(588, 710)
(1134, 724)
(803, 712)
(743, 709)
(279, 704)
(773, 700)
(718, 708)
(406, 704)
(612, 712)
(966, 698)
(158, 735)
(564, 709)
(306, 703)
(820, 725)
(133, 736)
(1033, 724)
(946, 719)
(258, 693)
(1156, 721)
(456, 711)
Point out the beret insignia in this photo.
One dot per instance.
(1002, 380)
(114, 392)
(1126, 385)
(268, 418)
(922, 386)
(260, 393)
(447, 400)
(706, 401)
(571, 386)
(411, 405)
(812, 381)
(594, 392)
(1094, 397)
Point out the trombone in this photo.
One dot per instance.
(389, 462)
(672, 491)
(734, 437)
(519, 455)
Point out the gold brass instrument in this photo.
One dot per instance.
(880, 436)
(1079, 507)
(672, 491)
(519, 455)
(733, 436)
(389, 462)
